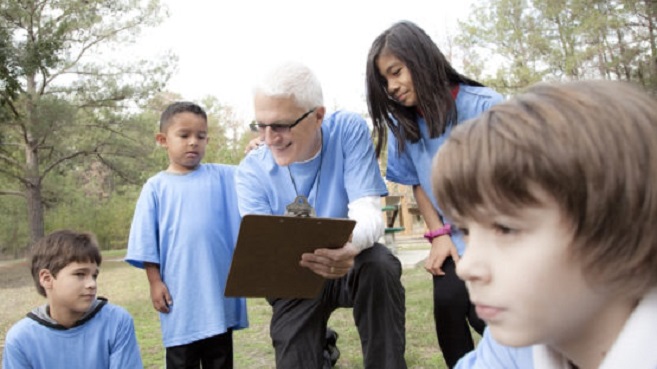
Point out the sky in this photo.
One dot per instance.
(224, 45)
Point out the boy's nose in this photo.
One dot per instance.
(473, 263)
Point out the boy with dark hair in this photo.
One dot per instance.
(74, 329)
(555, 192)
(183, 234)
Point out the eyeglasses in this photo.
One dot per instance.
(279, 128)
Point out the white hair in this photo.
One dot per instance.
(295, 80)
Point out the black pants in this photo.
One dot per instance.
(212, 353)
(452, 311)
(373, 288)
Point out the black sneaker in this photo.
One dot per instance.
(331, 352)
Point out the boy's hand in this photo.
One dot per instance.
(330, 263)
(253, 144)
(441, 248)
(160, 297)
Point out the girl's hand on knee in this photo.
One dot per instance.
(441, 248)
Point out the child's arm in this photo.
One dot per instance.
(125, 349)
(14, 357)
(160, 296)
(441, 247)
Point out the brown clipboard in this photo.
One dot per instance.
(268, 250)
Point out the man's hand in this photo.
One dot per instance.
(160, 297)
(253, 144)
(441, 248)
(330, 263)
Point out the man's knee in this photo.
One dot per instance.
(377, 276)
(378, 262)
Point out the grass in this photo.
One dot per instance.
(127, 286)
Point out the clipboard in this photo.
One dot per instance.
(268, 250)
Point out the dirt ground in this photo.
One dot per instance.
(14, 274)
(16, 292)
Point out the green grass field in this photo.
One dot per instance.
(127, 286)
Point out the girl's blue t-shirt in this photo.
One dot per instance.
(413, 166)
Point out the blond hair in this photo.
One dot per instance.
(591, 146)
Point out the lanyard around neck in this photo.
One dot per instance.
(317, 179)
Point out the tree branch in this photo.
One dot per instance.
(9, 174)
(85, 48)
(63, 159)
(116, 170)
(12, 193)
(107, 128)
(9, 160)
(9, 103)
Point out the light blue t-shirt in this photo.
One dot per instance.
(106, 341)
(345, 170)
(188, 224)
(413, 166)
(491, 355)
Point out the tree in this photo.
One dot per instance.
(536, 40)
(510, 32)
(9, 84)
(644, 23)
(64, 100)
(228, 134)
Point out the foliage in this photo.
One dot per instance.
(534, 40)
(9, 84)
(13, 227)
(228, 134)
(65, 106)
(77, 126)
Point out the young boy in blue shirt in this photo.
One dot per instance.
(555, 192)
(183, 234)
(75, 329)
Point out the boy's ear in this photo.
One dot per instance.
(161, 139)
(46, 278)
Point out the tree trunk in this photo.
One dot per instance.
(32, 175)
(622, 55)
(651, 11)
(35, 210)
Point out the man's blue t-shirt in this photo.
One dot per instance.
(413, 166)
(188, 224)
(344, 170)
